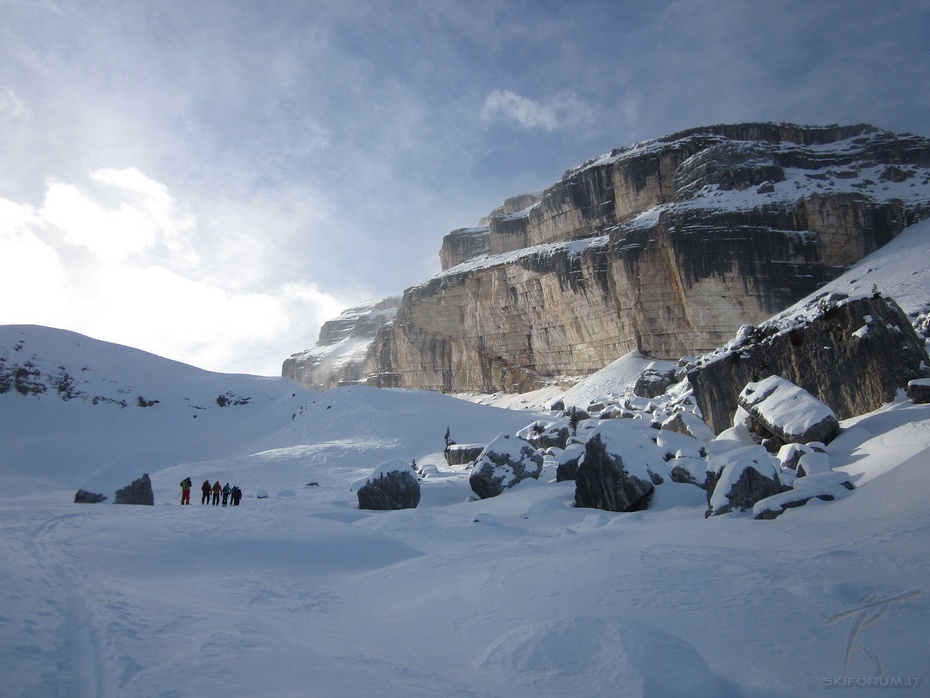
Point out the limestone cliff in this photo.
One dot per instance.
(666, 246)
(340, 354)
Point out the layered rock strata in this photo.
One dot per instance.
(340, 356)
(666, 247)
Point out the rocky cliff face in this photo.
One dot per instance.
(340, 354)
(852, 354)
(667, 246)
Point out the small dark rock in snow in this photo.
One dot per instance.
(461, 454)
(139, 492)
(918, 391)
(85, 497)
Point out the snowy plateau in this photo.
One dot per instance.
(301, 593)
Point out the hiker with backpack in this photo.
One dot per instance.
(226, 492)
(216, 492)
(206, 490)
(236, 494)
(186, 491)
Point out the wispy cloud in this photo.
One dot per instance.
(564, 109)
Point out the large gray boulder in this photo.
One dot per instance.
(737, 479)
(851, 354)
(505, 462)
(620, 468)
(139, 492)
(393, 485)
(783, 413)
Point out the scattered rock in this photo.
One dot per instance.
(652, 382)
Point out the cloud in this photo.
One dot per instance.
(511, 106)
(116, 258)
(564, 109)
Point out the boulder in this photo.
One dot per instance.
(652, 382)
(851, 354)
(620, 468)
(543, 435)
(918, 390)
(393, 485)
(462, 454)
(823, 486)
(139, 492)
(504, 462)
(85, 497)
(567, 462)
(737, 479)
(688, 470)
(785, 413)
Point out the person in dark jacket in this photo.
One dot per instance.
(226, 492)
(216, 492)
(236, 495)
(206, 489)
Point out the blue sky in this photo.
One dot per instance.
(211, 181)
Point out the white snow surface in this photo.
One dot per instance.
(302, 593)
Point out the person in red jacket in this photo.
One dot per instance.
(206, 489)
(216, 492)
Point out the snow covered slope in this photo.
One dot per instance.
(301, 593)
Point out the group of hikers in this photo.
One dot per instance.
(211, 492)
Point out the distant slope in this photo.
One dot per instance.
(78, 412)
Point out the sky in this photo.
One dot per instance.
(212, 181)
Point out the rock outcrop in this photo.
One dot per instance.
(340, 356)
(139, 492)
(851, 354)
(666, 247)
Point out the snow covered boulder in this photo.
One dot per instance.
(823, 486)
(139, 492)
(462, 454)
(543, 435)
(620, 468)
(504, 462)
(392, 485)
(652, 382)
(688, 469)
(781, 410)
(918, 390)
(567, 462)
(737, 479)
